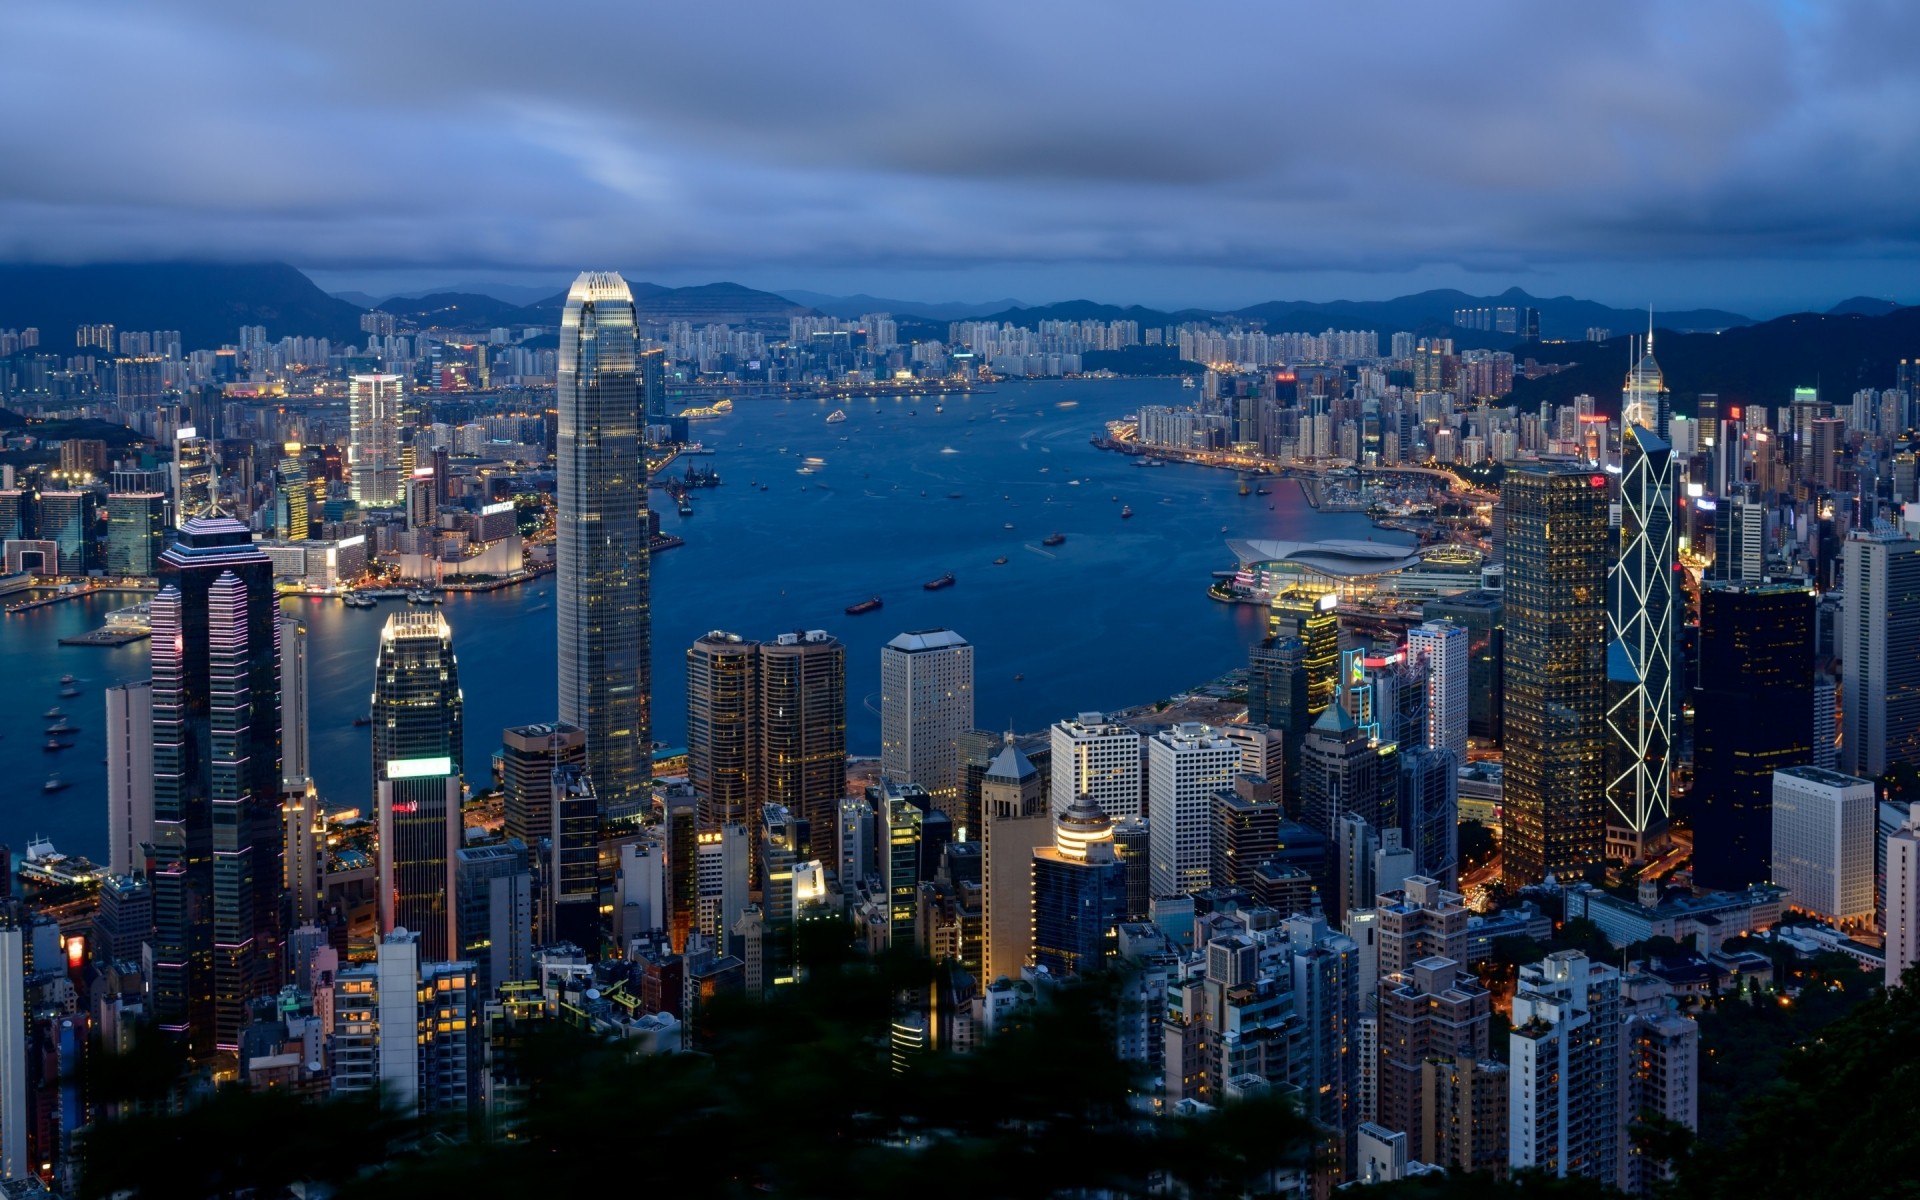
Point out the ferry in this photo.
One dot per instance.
(1001, 561)
(52, 714)
(865, 606)
(945, 581)
(422, 596)
(686, 506)
(1053, 539)
(55, 784)
(1126, 510)
(55, 745)
(62, 726)
(45, 865)
(836, 416)
(1187, 382)
(68, 692)
(67, 681)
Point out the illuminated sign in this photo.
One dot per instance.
(419, 768)
(491, 510)
(1329, 602)
(1599, 481)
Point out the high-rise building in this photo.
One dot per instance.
(1464, 1114)
(1095, 757)
(373, 439)
(493, 912)
(570, 871)
(1186, 765)
(1434, 1008)
(1902, 900)
(903, 821)
(1079, 892)
(129, 776)
(600, 542)
(529, 755)
(292, 514)
(1440, 649)
(216, 787)
(1014, 822)
(1880, 653)
(1752, 716)
(418, 743)
(1277, 699)
(1430, 811)
(15, 1117)
(1739, 541)
(1643, 622)
(1823, 835)
(1483, 617)
(195, 490)
(408, 1029)
(1246, 831)
(1310, 617)
(295, 761)
(136, 532)
(803, 725)
(1344, 773)
(1565, 1068)
(681, 827)
(67, 520)
(1662, 1080)
(926, 705)
(1556, 644)
(723, 728)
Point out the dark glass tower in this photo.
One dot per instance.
(1752, 716)
(1556, 678)
(216, 789)
(1079, 892)
(600, 543)
(418, 739)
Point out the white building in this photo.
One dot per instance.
(1903, 897)
(1880, 652)
(14, 1114)
(926, 705)
(1186, 765)
(1565, 1067)
(1440, 647)
(1093, 757)
(373, 433)
(1823, 833)
(129, 776)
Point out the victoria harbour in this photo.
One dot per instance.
(812, 517)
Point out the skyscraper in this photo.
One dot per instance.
(1186, 765)
(295, 762)
(1277, 698)
(1556, 640)
(216, 788)
(1014, 822)
(1310, 617)
(1752, 716)
(1440, 648)
(1823, 835)
(926, 704)
(1902, 897)
(1079, 892)
(1880, 652)
(723, 727)
(1563, 1109)
(373, 438)
(1095, 757)
(291, 514)
(194, 488)
(418, 742)
(803, 725)
(1643, 621)
(1739, 541)
(600, 542)
(129, 776)
(136, 524)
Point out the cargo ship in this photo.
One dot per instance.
(865, 606)
(1053, 539)
(945, 581)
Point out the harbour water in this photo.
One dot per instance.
(901, 494)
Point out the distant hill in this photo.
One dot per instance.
(1753, 364)
(859, 305)
(716, 303)
(206, 302)
(1865, 306)
(456, 310)
(1088, 310)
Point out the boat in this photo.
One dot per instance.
(420, 596)
(939, 408)
(1187, 382)
(686, 505)
(953, 495)
(362, 721)
(55, 745)
(1001, 561)
(765, 486)
(865, 606)
(62, 726)
(1018, 678)
(67, 681)
(1263, 491)
(1053, 539)
(43, 864)
(55, 784)
(1126, 510)
(69, 693)
(836, 416)
(945, 581)
(1008, 525)
(52, 714)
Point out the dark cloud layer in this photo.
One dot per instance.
(1064, 140)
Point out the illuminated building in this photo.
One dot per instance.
(1880, 653)
(529, 755)
(803, 725)
(1902, 917)
(1643, 622)
(683, 869)
(373, 439)
(292, 495)
(493, 900)
(1432, 1008)
(418, 742)
(1739, 541)
(1246, 832)
(1095, 757)
(1079, 892)
(194, 489)
(136, 532)
(1344, 774)
(926, 705)
(1014, 823)
(1662, 1080)
(15, 1003)
(600, 542)
(1430, 810)
(1556, 643)
(1311, 620)
(408, 1029)
(67, 520)
(1440, 649)
(1753, 714)
(215, 859)
(1277, 698)
(570, 876)
(129, 776)
(1565, 1069)
(1823, 835)
(1348, 567)
(723, 719)
(903, 810)
(1464, 1114)
(1186, 765)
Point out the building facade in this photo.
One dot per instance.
(926, 705)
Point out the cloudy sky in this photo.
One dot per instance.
(1741, 154)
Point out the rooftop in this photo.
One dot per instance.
(1337, 557)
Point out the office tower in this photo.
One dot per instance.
(1483, 617)
(1095, 757)
(303, 846)
(1342, 772)
(781, 847)
(1644, 400)
(682, 827)
(66, 520)
(1662, 1080)
(570, 873)
(136, 532)
(1902, 899)
(1133, 845)
(129, 776)
(1246, 831)
(529, 755)
(1739, 541)
(1556, 643)
(418, 740)
(926, 704)
(1014, 822)
(295, 761)
(1880, 653)
(291, 495)
(652, 371)
(216, 788)
(1440, 649)
(408, 1029)
(125, 920)
(1463, 1107)
(1826, 721)
(16, 510)
(1430, 811)
(195, 490)
(1434, 1008)
(901, 850)
(422, 499)
(14, 1005)
(1823, 834)
(373, 439)
(1079, 892)
(493, 907)
(1643, 622)
(723, 725)
(1752, 716)
(723, 858)
(1186, 765)
(803, 725)
(1565, 1066)
(854, 853)
(600, 542)
(1310, 618)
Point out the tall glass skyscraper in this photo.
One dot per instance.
(600, 547)
(216, 787)
(373, 438)
(1556, 680)
(1643, 621)
(418, 737)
